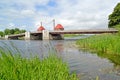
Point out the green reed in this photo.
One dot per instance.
(15, 67)
(105, 43)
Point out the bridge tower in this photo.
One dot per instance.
(41, 28)
(59, 27)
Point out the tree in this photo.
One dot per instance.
(114, 18)
(17, 30)
(7, 31)
(22, 31)
(1, 33)
(12, 31)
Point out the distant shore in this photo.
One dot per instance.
(2, 38)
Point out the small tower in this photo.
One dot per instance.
(41, 28)
(59, 27)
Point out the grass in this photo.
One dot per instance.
(106, 46)
(105, 43)
(15, 67)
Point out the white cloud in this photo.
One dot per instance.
(27, 12)
(80, 14)
(11, 25)
(85, 14)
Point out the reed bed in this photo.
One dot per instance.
(15, 67)
(105, 43)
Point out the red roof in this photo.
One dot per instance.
(40, 28)
(59, 26)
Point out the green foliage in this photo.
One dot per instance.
(7, 31)
(106, 46)
(118, 28)
(13, 31)
(22, 31)
(114, 18)
(15, 67)
(17, 29)
(1, 33)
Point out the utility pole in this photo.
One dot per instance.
(53, 24)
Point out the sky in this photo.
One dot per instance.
(72, 14)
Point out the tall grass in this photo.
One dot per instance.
(15, 67)
(106, 46)
(105, 43)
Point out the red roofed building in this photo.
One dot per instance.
(40, 28)
(59, 27)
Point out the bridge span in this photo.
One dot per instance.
(45, 34)
(84, 31)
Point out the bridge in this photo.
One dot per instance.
(57, 34)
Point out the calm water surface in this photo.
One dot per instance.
(87, 65)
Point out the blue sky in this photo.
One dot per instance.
(72, 14)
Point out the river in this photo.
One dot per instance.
(86, 65)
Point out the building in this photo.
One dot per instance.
(41, 28)
(59, 27)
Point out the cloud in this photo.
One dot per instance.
(86, 14)
(72, 14)
(27, 12)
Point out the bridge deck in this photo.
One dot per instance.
(70, 32)
(17, 35)
(85, 31)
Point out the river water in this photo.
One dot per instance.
(86, 65)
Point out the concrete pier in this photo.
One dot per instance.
(45, 35)
(27, 36)
(6, 37)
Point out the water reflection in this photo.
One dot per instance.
(113, 71)
(113, 58)
(59, 47)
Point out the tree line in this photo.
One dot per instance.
(11, 31)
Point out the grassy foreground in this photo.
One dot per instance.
(15, 67)
(105, 43)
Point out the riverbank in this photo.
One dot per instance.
(15, 67)
(1, 38)
(105, 45)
